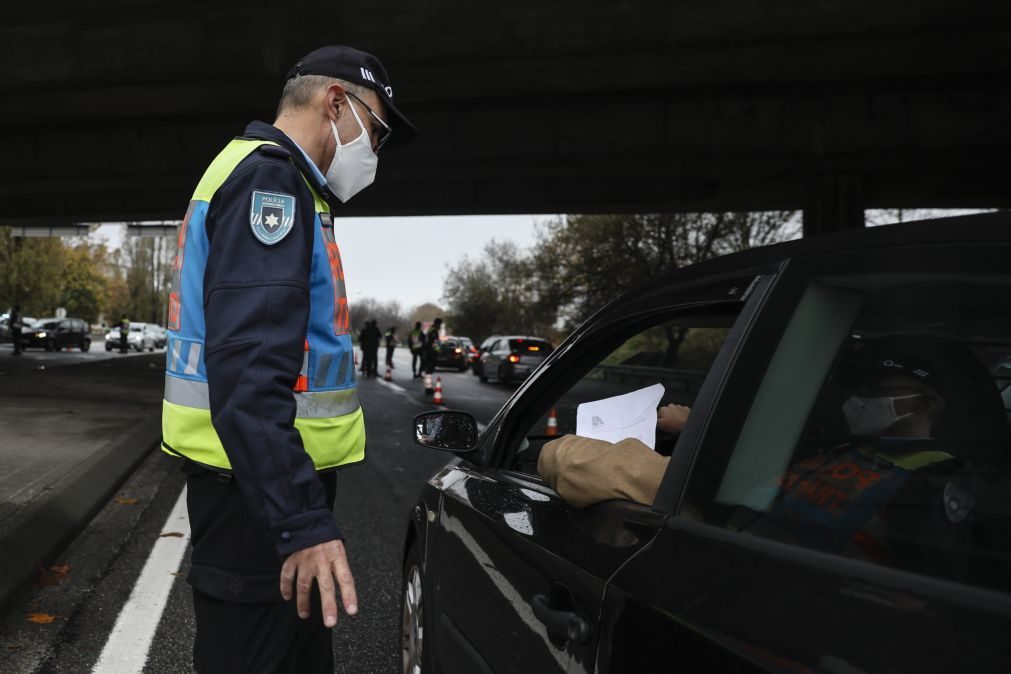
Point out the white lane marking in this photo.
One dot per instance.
(127, 648)
(394, 387)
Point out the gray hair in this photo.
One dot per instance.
(299, 91)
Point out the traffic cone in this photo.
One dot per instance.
(437, 400)
(551, 430)
(428, 384)
(389, 374)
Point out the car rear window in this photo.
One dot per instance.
(529, 346)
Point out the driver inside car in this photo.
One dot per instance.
(889, 416)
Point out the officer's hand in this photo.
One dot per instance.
(324, 562)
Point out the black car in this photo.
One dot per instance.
(53, 334)
(453, 352)
(513, 358)
(501, 575)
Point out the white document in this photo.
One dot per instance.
(632, 415)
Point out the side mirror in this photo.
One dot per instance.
(449, 431)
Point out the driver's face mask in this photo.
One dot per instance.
(871, 416)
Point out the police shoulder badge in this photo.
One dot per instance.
(271, 216)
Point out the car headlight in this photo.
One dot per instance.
(40, 335)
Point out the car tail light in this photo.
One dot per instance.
(513, 358)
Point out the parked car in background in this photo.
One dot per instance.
(799, 525)
(475, 364)
(453, 352)
(142, 337)
(5, 326)
(513, 358)
(53, 334)
(160, 335)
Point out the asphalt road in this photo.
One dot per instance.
(33, 359)
(374, 501)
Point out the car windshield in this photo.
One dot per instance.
(530, 346)
(49, 325)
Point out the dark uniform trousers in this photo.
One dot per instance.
(243, 623)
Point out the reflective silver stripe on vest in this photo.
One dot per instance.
(310, 405)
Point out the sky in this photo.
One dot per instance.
(404, 259)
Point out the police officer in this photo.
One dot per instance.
(432, 345)
(124, 334)
(416, 343)
(16, 324)
(260, 391)
(391, 344)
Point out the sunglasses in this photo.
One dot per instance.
(385, 132)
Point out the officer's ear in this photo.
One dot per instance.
(336, 97)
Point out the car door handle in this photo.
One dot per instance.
(562, 625)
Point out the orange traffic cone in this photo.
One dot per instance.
(428, 384)
(437, 400)
(551, 429)
(389, 374)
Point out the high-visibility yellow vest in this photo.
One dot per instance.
(329, 416)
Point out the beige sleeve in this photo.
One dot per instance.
(585, 471)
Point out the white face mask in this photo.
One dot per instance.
(354, 165)
(870, 416)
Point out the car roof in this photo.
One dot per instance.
(530, 337)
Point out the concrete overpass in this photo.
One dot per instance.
(113, 109)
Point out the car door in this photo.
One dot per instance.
(783, 553)
(64, 334)
(489, 365)
(516, 575)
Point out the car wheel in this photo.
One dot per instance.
(50, 345)
(108, 347)
(463, 367)
(502, 378)
(412, 612)
(481, 377)
(85, 345)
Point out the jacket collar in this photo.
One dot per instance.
(263, 131)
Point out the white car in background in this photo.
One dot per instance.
(142, 337)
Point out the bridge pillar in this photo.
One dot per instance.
(835, 203)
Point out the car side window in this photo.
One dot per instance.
(673, 351)
(880, 429)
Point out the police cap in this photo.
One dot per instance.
(353, 65)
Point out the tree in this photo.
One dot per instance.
(386, 315)
(85, 288)
(496, 294)
(425, 313)
(145, 264)
(31, 273)
(585, 261)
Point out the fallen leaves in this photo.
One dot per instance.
(126, 501)
(41, 618)
(171, 534)
(54, 575)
